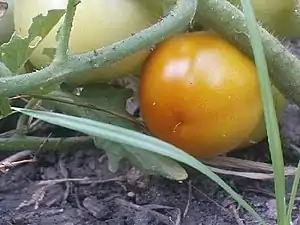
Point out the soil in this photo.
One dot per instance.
(127, 197)
(76, 188)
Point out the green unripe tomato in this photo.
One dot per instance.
(280, 17)
(7, 23)
(260, 132)
(97, 23)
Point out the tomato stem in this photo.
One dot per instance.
(178, 19)
(229, 21)
(20, 143)
(64, 33)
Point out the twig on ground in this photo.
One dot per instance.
(65, 174)
(189, 198)
(39, 194)
(261, 191)
(161, 217)
(35, 199)
(79, 206)
(236, 215)
(296, 148)
(210, 199)
(82, 181)
(16, 160)
(18, 156)
(155, 207)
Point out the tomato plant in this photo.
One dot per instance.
(7, 23)
(97, 23)
(200, 93)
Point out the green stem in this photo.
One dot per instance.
(60, 144)
(177, 19)
(22, 127)
(229, 22)
(61, 55)
(5, 72)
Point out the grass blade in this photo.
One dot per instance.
(293, 194)
(269, 110)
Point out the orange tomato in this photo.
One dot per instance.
(200, 93)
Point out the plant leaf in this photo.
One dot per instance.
(147, 162)
(107, 97)
(113, 100)
(16, 52)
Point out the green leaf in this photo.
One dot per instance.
(113, 100)
(16, 52)
(109, 98)
(147, 162)
(137, 140)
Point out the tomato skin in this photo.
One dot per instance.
(260, 132)
(199, 93)
(97, 23)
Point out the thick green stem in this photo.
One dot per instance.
(49, 144)
(229, 21)
(177, 19)
(64, 33)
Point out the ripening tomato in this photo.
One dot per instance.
(97, 23)
(200, 93)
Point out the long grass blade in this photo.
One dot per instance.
(269, 110)
(293, 194)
